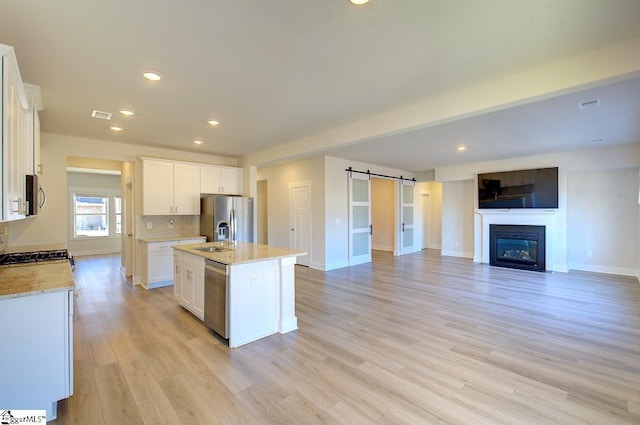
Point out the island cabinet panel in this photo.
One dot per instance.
(253, 301)
(190, 283)
(177, 277)
(37, 351)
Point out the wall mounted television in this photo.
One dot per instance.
(537, 188)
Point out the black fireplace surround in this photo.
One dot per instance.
(517, 246)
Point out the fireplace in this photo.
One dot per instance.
(517, 246)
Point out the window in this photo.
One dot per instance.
(91, 215)
(118, 211)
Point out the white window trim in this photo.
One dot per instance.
(111, 212)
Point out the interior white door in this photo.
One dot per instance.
(425, 200)
(300, 221)
(359, 219)
(407, 233)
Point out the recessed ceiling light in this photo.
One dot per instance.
(114, 128)
(461, 148)
(359, 1)
(152, 75)
(126, 112)
(213, 123)
(198, 142)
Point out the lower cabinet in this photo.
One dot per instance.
(37, 351)
(189, 283)
(157, 268)
(159, 265)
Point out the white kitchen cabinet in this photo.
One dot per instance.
(13, 128)
(186, 190)
(157, 262)
(159, 265)
(191, 294)
(225, 180)
(33, 164)
(19, 135)
(170, 188)
(37, 352)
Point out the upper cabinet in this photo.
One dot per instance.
(18, 132)
(225, 180)
(170, 188)
(34, 165)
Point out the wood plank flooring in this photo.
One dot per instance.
(417, 339)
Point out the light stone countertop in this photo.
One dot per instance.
(20, 280)
(243, 252)
(169, 239)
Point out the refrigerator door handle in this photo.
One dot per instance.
(232, 226)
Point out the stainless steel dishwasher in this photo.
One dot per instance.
(215, 298)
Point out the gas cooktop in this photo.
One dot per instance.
(35, 257)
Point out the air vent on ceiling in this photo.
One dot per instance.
(101, 115)
(590, 104)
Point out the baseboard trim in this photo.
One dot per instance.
(622, 271)
(333, 266)
(288, 325)
(94, 252)
(382, 247)
(460, 254)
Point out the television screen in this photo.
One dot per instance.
(519, 189)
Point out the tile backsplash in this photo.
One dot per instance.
(169, 226)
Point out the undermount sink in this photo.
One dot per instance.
(212, 249)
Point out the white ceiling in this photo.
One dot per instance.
(274, 72)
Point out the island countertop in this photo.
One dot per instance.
(242, 252)
(36, 278)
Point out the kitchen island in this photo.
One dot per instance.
(258, 286)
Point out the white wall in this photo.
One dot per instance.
(383, 211)
(588, 160)
(458, 218)
(91, 246)
(337, 206)
(50, 226)
(329, 205)
(278, 178)
(602, 219)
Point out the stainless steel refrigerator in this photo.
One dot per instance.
(225, 218)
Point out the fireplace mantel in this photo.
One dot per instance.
(534, 217)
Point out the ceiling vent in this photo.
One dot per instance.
(595, 103)
(101, 115)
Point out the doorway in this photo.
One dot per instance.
(425, 206)
(300, 220)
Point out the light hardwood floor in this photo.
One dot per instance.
(417, 339)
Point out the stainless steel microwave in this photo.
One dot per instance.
(34, 195)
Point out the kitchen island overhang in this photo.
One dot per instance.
(260, 287)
